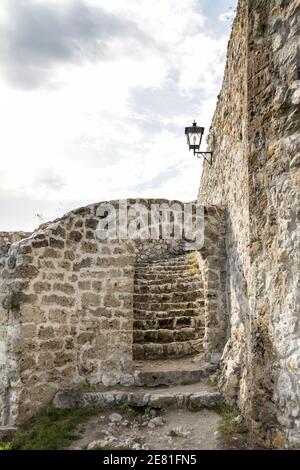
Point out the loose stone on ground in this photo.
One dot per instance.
(174, 429)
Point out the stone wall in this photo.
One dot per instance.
(212, 264)
(62, 295)
(7, 238)
(66, 298)
(255, 175)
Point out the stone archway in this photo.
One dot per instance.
(66, 296)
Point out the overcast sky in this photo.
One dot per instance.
(94, 98)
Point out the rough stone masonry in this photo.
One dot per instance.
(66, 306)
(66, 298)
(256, 176)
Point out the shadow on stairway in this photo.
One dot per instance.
(169, 318)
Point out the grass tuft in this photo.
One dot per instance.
(52, 429)
(229, 425)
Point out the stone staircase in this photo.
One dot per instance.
(168, 332)
(168, 308)
(161, 384)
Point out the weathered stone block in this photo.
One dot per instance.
(63, 301)
(86, 337)
(52, 253)
(97, 285)
(90, 299)
(111, 300)
(27, 361)
(29, 330)
(64, 358)
(57, 315)
(32, 314)
(56, 243)
(69, 255)
(84, 285)
(39, 287)
(84, 263)
(75, 236)
(91, 223)
(26, 271)
(64, 287)
(89, 247)
(46, 332)
(40, 243)
(59, 232)
(51, 345)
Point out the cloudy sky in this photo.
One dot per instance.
(94, 98)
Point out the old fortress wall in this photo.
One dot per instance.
(66, 306)
(67, 297)
(256, 176)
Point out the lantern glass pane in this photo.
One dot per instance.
(194, 135)
(195, 138)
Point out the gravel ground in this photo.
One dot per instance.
(173, 430)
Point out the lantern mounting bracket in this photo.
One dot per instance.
(203, 154)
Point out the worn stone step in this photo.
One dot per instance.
(143, 314)
(164, 350)
(188, 260)
(173, 259)
(151, 297)
(168, 297)
(157, 268)
(164, 335)
(166, 278)
(164, 270)
(154, 266)
(167, 306)
(169, 323)
(161, 279)
(168, 288)
(193, 397)
(167, 373)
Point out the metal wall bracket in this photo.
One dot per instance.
(203, 154)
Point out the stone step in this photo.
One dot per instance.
(160, 269)
(167, 288)
(178, 260)
(183, 258)
(143, 314)
(193, 397)
(166, 277)
(167, 306)
(168, 299)
(167, 373)
(164, 270)
(164, 350)
(163, 281)
(169, 323)
(164, 335)
(153, 297)
(182, 264)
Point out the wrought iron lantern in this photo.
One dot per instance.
(194, 136)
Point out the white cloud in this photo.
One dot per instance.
(102, 128)
(49, 179)
(202, 58)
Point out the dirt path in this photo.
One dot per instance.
(173, 429)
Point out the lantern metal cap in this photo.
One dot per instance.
(194, 129)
